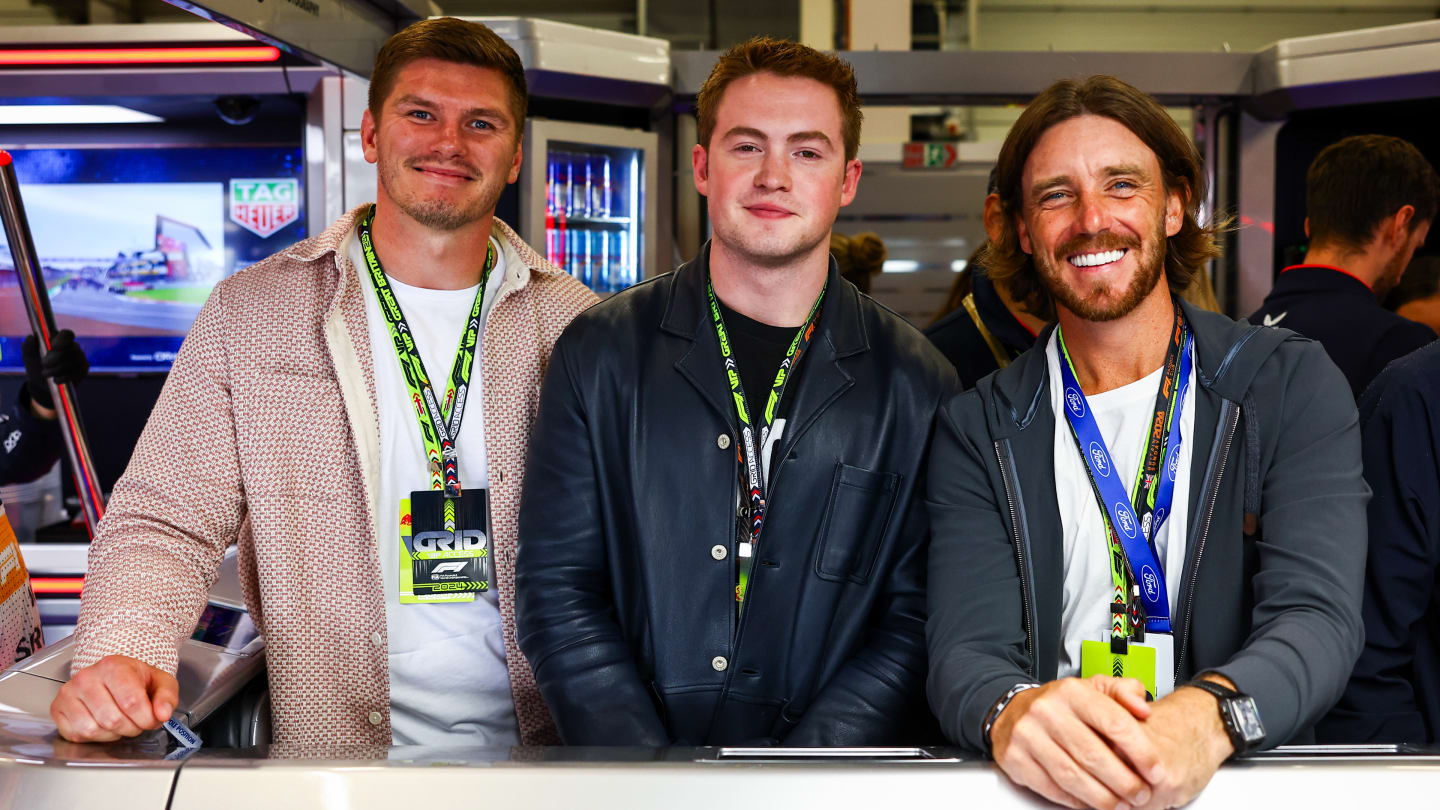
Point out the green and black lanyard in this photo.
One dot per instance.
(439, 423)
(752, 468)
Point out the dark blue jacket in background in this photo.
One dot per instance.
(1394, 692)
(957, 337)
(29, 446)
(1329, 305)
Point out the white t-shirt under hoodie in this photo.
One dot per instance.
(1123, 417)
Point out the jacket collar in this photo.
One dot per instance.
(687, 312)
(521, 260)
(820, 377)
(997, 317)
(1308, 278)
(1223, 364)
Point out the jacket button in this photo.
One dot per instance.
(375, 718)
(718, 663)
(718, 551)
(375, 639)
(723, 441)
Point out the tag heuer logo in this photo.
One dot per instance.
(263, 207)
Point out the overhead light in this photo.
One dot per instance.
(134, 56)
(29, 114)
(900, 266)
(957, 265)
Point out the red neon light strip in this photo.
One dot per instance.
(130, 56)
(61, 585)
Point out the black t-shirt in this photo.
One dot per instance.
(759, 349)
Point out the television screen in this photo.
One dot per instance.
(131, 240)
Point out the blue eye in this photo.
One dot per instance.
(418, 114)
(483, 125)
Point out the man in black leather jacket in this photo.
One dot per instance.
(657, 602)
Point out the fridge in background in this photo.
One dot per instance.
(589, 204)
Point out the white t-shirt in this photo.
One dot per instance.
(1123, 416)
(448, 680)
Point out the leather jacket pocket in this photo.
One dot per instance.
(857, 514)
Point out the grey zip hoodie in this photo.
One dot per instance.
(1275, 557)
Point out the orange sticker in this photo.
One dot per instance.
(12, 567)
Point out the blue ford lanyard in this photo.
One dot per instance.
(1139, 551)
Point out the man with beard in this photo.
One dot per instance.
(1369, 202)
(1153, 502)
(317, 417)
(723, 536)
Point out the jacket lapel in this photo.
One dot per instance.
(822, 379)
(687, 316)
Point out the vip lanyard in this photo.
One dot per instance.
(1131, 538)
(439, 425)
(752, 474)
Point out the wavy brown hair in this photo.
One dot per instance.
(786, 59)
(1180, 167)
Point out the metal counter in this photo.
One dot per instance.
(42, 773)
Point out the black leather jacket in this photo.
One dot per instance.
(626, 572)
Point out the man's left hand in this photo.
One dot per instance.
(1186, 729)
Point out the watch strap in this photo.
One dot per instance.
(1226, 696)
(1220, 691)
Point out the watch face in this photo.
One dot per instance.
(1247, 719)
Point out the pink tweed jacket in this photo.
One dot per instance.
(266, 435)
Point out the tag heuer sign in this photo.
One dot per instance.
(264, 206)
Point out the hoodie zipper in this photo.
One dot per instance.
(1005, 476)
(1214, 488)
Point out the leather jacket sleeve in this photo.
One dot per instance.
(877, 696)
(564, 607)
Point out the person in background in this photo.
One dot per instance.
(723, 534)
(316, 416)
(1369, 202)
(981, 328)
(1152, 502)
(1417, 296)
(30, 440)
(859, 257)
(1394, 692)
